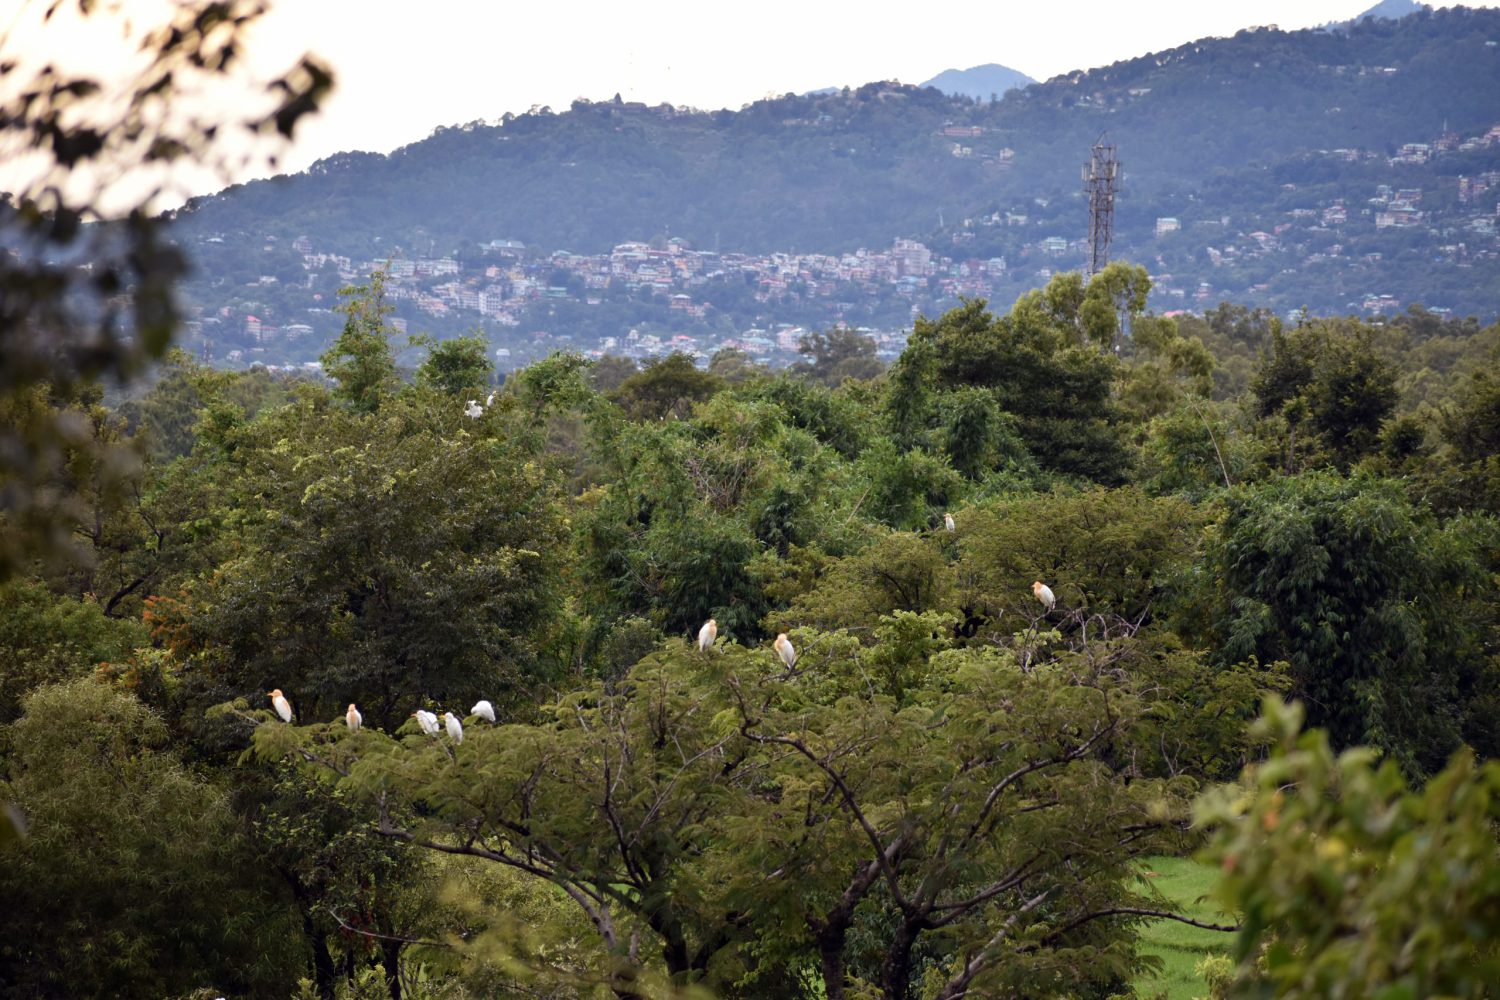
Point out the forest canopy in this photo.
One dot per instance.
(991, 630)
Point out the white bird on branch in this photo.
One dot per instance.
(484, 710)
(474, 411)
(948, 522)
(427, 721)
(1044, 594)
(707, 634)
(785, 651)
(455, 728)
(282, 706)
(353, 718)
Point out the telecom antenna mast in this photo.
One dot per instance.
(1101, 177)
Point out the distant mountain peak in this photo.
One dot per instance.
(1392, 10)
(1385, 10)
(980, 82)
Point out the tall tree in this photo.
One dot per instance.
(836, 354)
(395, 556)
(1041, 369)
(457, 366)
(360, 360)
(1376, 606)
(134, 880)
(883, 816)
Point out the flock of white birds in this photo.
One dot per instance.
(474, 411)
(484, 710)
(427, 720)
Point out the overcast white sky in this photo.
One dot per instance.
(405, 68)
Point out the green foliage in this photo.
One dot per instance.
(354, 891)
(1039, 368)
(1115, 551)
(897, 571)
(1469, 479)
(134, 879)
(607, 373)
(905, 489)
(1352, 882)
(834, 355)
(456, 366)
(360, 361)
(950, 792)
(666, 386)
(1192, 452)
(751, 816)
(392, 556)
(1113, 299)
(1332, 381)
(977, 437)
(1168, 368)
(837, 418)
(46, 638)
(1376, 607)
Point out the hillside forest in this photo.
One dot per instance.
(1068, 586)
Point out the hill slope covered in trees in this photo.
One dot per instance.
(859, 167)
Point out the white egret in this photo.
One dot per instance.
(785, 651)
(427, 721)
(455, 728)
(282, 706)
(353, 718)
(484, 710)
(490, 400)
(948, 522)
(1044, 594)
(473, 411)
(707, 634)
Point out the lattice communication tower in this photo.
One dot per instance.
(1101, 181)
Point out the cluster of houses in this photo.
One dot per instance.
(505, 280)
(1459, 230)
(503, 283)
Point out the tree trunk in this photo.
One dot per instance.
(831, 958)
(390, 958)
(324, 971)
(895, 973)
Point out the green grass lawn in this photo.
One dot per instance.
(1179, 946)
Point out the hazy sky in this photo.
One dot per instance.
(405, 68)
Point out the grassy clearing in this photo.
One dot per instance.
(1180, 947)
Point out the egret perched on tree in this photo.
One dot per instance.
(785, 651)
(1044, 594)
(455, 728)
(353, 718)
(427, 721)
(707, 634)
(282, 706)
(490, 400)
(948, 521)
(484, 710)
(473, 411)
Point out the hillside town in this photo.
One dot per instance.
(645, 298)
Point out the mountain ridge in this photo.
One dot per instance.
(1266, 167)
